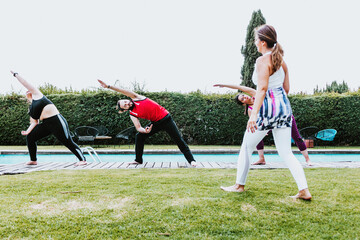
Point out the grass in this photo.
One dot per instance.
(177, 204)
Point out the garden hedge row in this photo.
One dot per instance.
(206, 119)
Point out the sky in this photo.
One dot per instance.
(172, 45)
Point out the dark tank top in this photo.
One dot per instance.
(37, 106)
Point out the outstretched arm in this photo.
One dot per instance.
(247, 90)
(33, 124)
(127, 93)
(34, 91)
(138, 126)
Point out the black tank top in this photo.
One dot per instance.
(37, 106)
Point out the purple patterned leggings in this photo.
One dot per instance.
(294, 134)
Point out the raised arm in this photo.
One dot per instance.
(138, 126)
(127, 93)
(286, 84)
(247, 90)
(263, 73)
(33, 90)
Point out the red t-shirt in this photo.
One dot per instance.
(149, 110)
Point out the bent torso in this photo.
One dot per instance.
(49, 111)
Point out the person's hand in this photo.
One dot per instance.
(13, 73)
(24, 133)
(148, 128)
(251, 125)
(218, 85)
(104, 85)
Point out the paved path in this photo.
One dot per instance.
(6, 169)
(20, 168)
(176, 151)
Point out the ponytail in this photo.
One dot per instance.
(276, 57)
(246, 110)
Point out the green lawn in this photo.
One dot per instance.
(178, 204)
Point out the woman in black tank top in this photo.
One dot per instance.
(42, 109)
(36, 107)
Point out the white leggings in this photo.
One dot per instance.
(282, 137)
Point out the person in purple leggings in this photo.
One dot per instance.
(248, 101)
(295, 135)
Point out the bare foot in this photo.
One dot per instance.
(193, 163)
(80, 163)
(260, 162)
(31, 163)
(303, 194)
(134, 163)
(234, 188)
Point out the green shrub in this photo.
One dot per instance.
(206, 119)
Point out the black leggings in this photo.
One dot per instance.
(167, 124)
(58, 126)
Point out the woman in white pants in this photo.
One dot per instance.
(271, 111)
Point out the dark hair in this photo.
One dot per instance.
(246, 112)
(118, 106)
(236, 99)
(268, 34)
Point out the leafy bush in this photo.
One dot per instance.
(211, 119)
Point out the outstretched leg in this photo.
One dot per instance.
(299, 142)
(171, 128)
(248, 145)
(282, 137)
(140, 142)
(39, 132)
(60, 129)
(260, 150)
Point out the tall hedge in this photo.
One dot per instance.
(330, 110)
(202, 118)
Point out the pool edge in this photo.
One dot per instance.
(176, 151)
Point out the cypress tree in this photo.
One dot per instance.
(249, 51)
(333, 87)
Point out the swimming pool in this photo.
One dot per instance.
(19, 158)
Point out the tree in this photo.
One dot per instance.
(333, 87)
(249, 51)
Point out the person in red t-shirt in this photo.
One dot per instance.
(142, 107)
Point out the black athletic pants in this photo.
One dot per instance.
(58, 126)
(167, 124)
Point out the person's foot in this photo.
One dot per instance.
(303, 194)
(31, 163)
(308, 163)
(80, 163)
(234, 188)
(193, 164)
(134, 163)
(260, 162)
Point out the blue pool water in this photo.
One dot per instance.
(12, 159)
